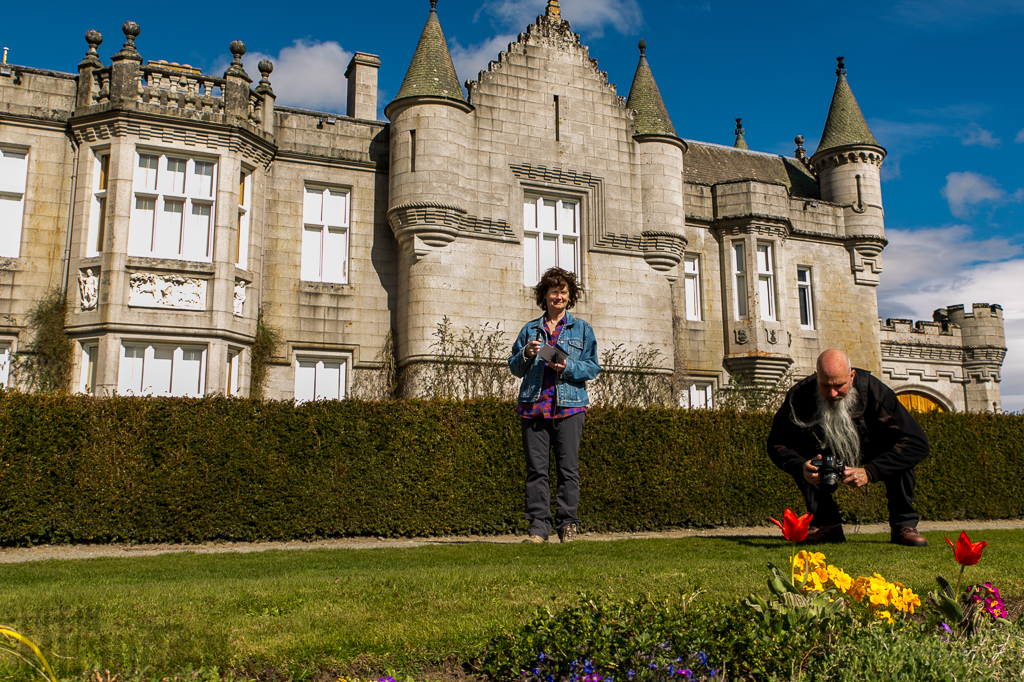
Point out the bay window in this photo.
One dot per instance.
(739, 280)
(172, 210)
(766, 281)
(162, 370)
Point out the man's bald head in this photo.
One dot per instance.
(835, 375)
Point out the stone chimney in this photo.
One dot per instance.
(362, 86)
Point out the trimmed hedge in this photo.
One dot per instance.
(80, 469)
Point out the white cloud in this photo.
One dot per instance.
(917, 252)
(471, 60)
(308, 74)
(590, 16)
(971, 271)
(1020, 136)
(965, 189)
(976, 135)
(593, 15)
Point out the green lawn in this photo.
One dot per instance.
(372, 609)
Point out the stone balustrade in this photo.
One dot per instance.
(176, 89)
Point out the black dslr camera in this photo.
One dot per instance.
(831, 470)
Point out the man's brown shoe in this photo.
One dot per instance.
(567, 533)
(823, 535)
(908, 535)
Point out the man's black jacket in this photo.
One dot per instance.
(890, 440)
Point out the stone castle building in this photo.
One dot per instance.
(173, 206)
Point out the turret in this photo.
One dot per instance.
(426, 203)
(848, 163)
(984, 344)
(663, 235)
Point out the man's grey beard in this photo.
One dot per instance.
(834, 426)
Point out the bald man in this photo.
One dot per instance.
(855, 417)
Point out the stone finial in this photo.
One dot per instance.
(95, 39)
(740, 143)
(553, 11)
(237, 48)
(840, 68)
(92, 57)
(799, 153)
(643, 46)
(131, 31)
(266, 67)
(433, 5)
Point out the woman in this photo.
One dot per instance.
(553, 401)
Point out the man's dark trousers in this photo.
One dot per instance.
(899, 493)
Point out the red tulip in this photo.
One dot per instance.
(795, 529)
(967, 553)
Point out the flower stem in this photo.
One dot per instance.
(959, 580)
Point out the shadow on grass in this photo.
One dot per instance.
(757, 542)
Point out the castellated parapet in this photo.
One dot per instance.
(954, 360)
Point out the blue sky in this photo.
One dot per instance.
(937, 81)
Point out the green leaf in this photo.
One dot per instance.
(951, 608)
(945, 586)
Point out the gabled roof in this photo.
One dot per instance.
(645, 99)
(711, 164)
(431, 73)
(845, 124)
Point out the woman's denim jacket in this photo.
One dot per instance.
(577, 340)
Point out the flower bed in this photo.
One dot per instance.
(817, 623)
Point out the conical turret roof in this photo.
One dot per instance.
(431, 73)
(645, 99)
(845, 124)
(741, 142)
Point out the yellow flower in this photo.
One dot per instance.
(910, 600)
(809, 565)
(839, 578)
(859, 589)
(884, 615)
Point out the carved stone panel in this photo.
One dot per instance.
(88, 288)
(151, 290)
(239, 296)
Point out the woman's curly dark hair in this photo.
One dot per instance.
(557, 277)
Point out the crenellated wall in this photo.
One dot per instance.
(954, 360)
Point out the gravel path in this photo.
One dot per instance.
(11, 555)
